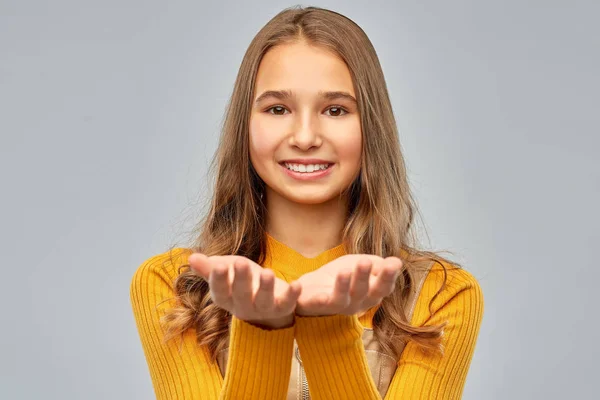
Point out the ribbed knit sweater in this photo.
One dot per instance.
(333, 354)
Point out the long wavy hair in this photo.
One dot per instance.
(381, 208)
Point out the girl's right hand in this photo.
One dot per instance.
(247, 290)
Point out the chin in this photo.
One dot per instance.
(315, 198)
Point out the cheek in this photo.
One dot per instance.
(350, 149)
(262, 144)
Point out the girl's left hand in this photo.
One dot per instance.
(350, 284)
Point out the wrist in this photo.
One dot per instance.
(278, 323)
(308, 314)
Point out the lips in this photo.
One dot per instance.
(305, 161)
(306, 176)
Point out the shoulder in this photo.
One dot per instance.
(160, 269)
(454, 278)
(450, 288)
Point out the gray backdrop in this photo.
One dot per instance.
(110, 112)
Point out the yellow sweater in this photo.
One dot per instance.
(260, 360)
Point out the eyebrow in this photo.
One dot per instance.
(287, 94)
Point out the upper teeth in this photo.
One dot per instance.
(306, 167)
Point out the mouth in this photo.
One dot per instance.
(303, 172)
(306, 168)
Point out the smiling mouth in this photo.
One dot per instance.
(305, 168)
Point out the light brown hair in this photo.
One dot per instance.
(381, 207)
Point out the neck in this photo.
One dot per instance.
(310, 229)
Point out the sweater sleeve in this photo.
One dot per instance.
(429, 376)
(184, 370)
(335, 362)
(333, 357)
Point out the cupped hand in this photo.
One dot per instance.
(247, 290)
(350, 284)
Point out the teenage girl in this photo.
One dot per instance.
(306, 280)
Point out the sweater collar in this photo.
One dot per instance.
(291, 263)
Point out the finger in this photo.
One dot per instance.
(376, 261)
(225, 260)
(263, 300)
(359, 287)
(201, 264)
(218, 281)
(287, 303)
(341, 298)
(241, 288)
(386, 280)
(394, 261)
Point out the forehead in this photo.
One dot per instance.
(304, 69)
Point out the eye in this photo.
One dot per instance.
(337, 110)
(278, 108)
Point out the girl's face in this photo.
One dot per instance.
(311, 114)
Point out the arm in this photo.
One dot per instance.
(334, 359)
(259, 362)
(336, 366)
(421, 376)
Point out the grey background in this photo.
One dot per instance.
(110, 113)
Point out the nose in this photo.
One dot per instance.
(306, 132)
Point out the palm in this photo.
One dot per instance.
(318, 286)
(321, 280)
(280, 286)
